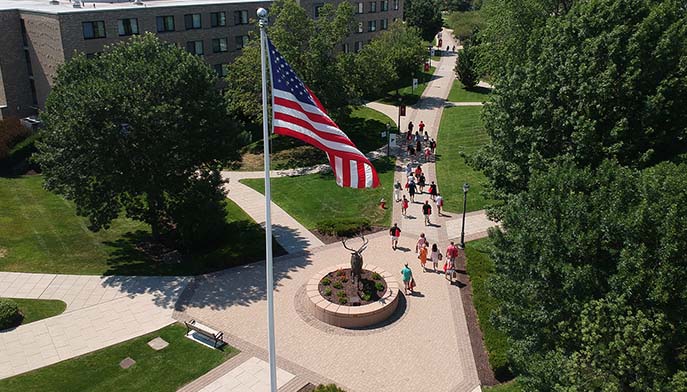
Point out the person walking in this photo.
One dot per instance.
(433, 146)
(423, 256)
(421, 183)
(435, 256)
(428, 154)
(427, 211)
(410, 128)
(404, 206)
(450, 265)
(418, 146)
(394, 233)
(407, 276)
(433, 191)
(440, 203)
(425, 137)
(409, 169)
(421, 126)
(397, 191)
(418, 171)
(453, 48)
(421, 241)
(412, 188)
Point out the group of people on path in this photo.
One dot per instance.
(415, 184)
(426, 253)
(419, 143)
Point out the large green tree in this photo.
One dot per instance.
(425, 15)
(390, 58)
(510, 29)
(590, 268)
(609, 80)
(140, 129)
(312, 48)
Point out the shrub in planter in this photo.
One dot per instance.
(9, 314)
(326, 282)
(328, 388)
(376, 276)
(328, 291)
(379, 286)
(343, 300)
(338, 285)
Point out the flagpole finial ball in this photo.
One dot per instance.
(262, 13)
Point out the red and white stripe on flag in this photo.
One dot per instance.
(297, 112)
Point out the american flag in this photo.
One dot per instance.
(298, 113)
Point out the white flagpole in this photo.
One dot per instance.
(262, 21)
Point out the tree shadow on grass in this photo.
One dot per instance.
(242, 285)
(241, 276)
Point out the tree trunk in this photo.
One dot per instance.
(154, 214)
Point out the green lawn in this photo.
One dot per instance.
(38, 309)
(166, 370)
(460, 94)
(461, 131)
(464, 23)
(479, 267)
(363, 127)
(313, 198)
(40, 232)
(405, 89)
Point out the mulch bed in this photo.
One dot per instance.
(479, 350)
(330, 238)
(353, 295)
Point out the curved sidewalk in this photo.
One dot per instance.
(101, 311)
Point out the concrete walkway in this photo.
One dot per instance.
(290, 234)
(101, 311)
(429, 109)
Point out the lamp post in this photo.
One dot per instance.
(466, 187)
(388, 138)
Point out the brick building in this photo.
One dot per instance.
(39, 35)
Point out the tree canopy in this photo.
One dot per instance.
(311, 47)
(607, 80)
(393, 56)
(590, 272)
(425, 15)
(139, 129)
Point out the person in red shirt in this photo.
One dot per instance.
(421, 126)
(404, 206)
(450, 265)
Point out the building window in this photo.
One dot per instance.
(395, 5)
(240, 17)
(361, 8)
(383, 24)
(93, 30)
(360, 27)
(218, 19)
(241, 42)
(316, 9)
(373, 6)
(127, 26)
(195, 47)
(346, 49)
(192, 21)
(358, 46)
(221, 70)
(372, 25)
(385, 5)
(219, 45)
(165, 23)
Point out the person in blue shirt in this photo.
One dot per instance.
(407, 278)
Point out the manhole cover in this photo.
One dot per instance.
(158, 344)
(127, 363)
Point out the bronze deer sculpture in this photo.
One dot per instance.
(356, 260)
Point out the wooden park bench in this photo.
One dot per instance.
(206, 331)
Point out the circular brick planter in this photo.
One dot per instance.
(352, 316)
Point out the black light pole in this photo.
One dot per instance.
(399, 114)
(466, 187)
(388, 138)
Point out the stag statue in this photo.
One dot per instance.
(356, 260)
